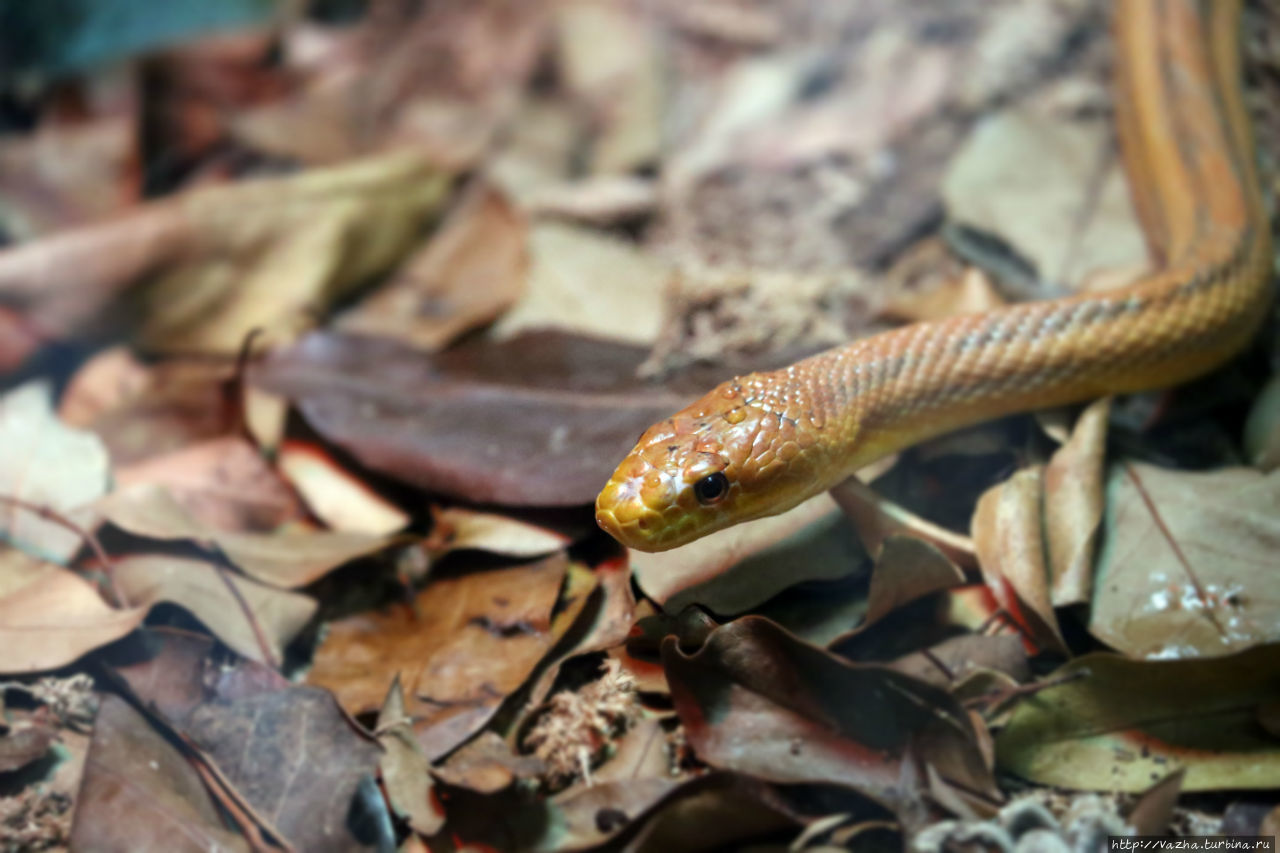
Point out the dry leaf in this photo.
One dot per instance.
(1009, 538)
(406, 772)
(343, 502)
(1110, 724)
(47, 465)
(204, 589)
(1187, 564)
(55, 618)
(458, 529)
(285, 559)
(1073, 504)
(471, 271)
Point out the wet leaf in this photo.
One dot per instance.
(47, 465)
(466, 643)
(1187, 562)
(56, 617)
(287, 559)
(140, 793)
(755, 700)
(1121, 725)
(471, 271)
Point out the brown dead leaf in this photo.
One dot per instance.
(466, 643)
(46, 465)
(143, 410)
(907, 569)
(877, 518)
(1111, 724)
(1009, 538)
(736, 569)
(1051, 189)
(55, 618)
(568, 263)
(1073, 504)
(459, 529)
(756, 700)
(406, 772)
(140, 793)
(203, 588)
(285, 559)
(224, 483)
(1187, 564)
(539, 420)
(214, 259)
(23, 743)
(335, 495)
(602, 200)
(471, 271)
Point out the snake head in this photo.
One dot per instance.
(732, 456)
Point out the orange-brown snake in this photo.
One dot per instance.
(762, 443)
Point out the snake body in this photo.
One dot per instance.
(762, 443)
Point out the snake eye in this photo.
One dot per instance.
(711, 489)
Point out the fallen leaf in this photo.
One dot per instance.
(140, 793)
(471, 271)
(1050, 188)
(223, 483)
(466, 643)
(1073, 505)
(1262, 428)
(286, 559)
(459, 529)
(405, 771)
(22, 744)
(205, 590)
(756, 700)
(539, 420)
(55, 618)
(143, 410)
(337, 497)
(877, 518)
(905, 570)
(567, 265)
(48, 466)
(1187, 563)
(736, 569)
(322, 232)
(601, 200)
(1009, 538)
(1111, 724)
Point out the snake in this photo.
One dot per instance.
(762, 443)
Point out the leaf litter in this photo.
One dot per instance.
(319, 340)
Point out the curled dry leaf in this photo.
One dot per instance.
(458, 529)
(48, 466)
(203, 588)
(215, 259)
(878, 518)
(406, 772)
(1187, 564)
(54, 618)
(1111, 724)
(466, 643)
(907, 569)
(471, 271)
(287, 559)
(1009, 537)
(538, 420)
(1073, 504)
(758, 701)
(337, 497)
